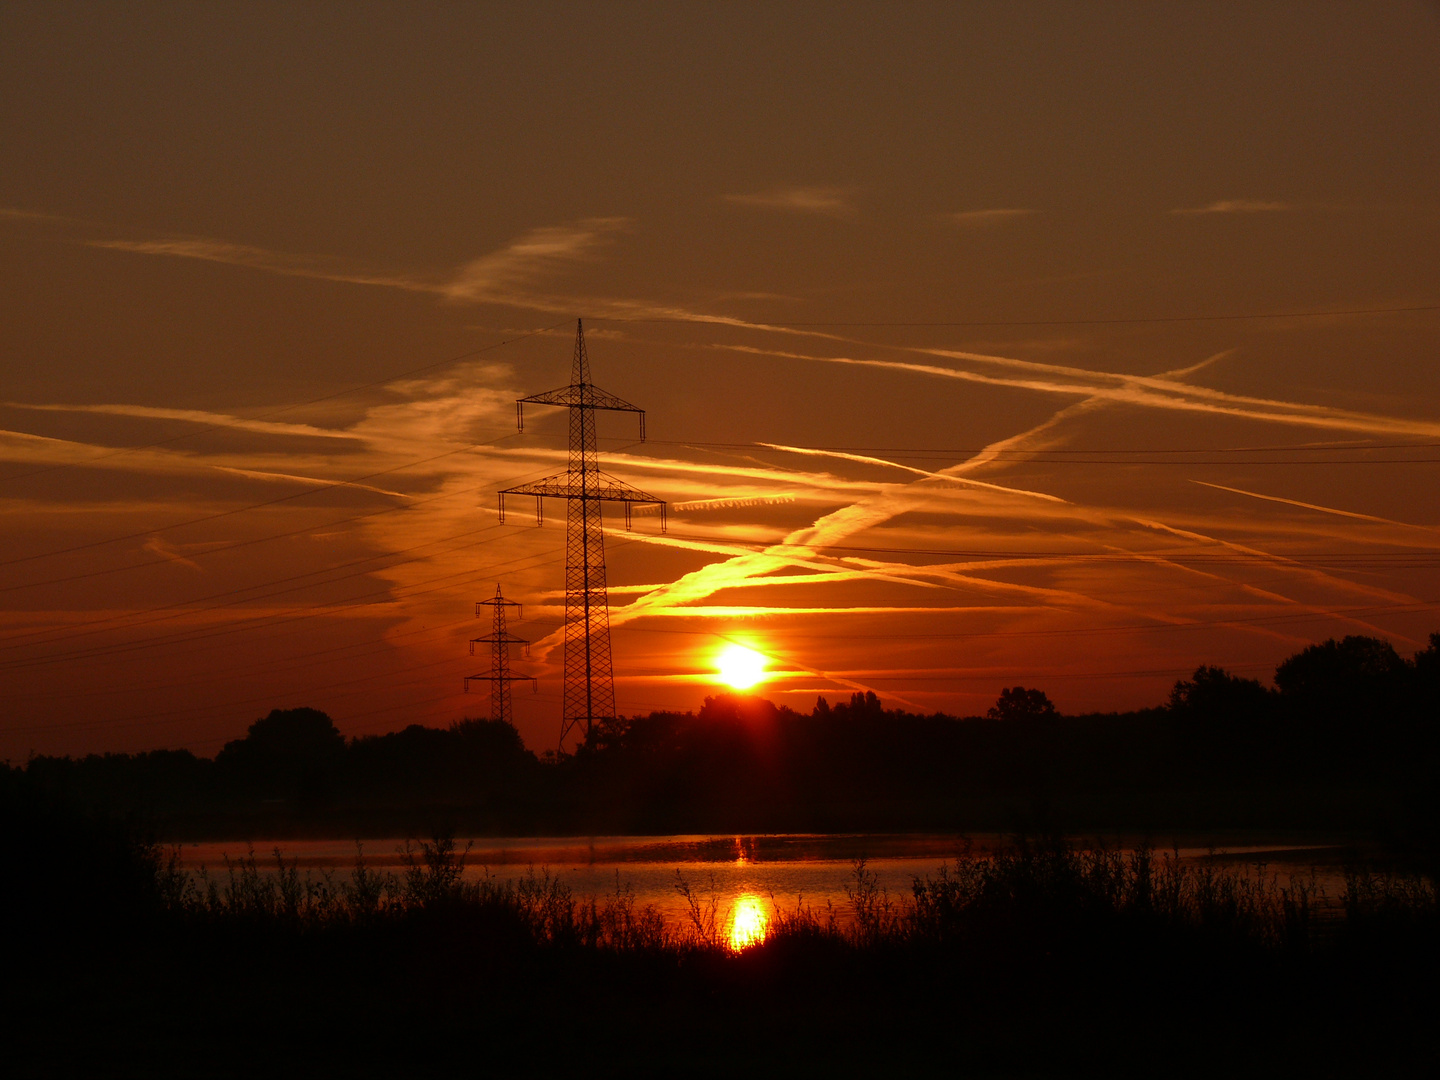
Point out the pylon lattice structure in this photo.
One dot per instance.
(589, 673)
(500, 640)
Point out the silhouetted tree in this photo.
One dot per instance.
(746, 708)
(1343, 681)
(1017, 703)
(1213, 695)
(495, 739)
(1427, 682)
(292, 754)
(305, 735)
(605, 734)
(866, 704)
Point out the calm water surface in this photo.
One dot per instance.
(747, 877)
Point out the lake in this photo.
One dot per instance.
(748, 876)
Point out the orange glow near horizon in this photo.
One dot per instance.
(741, 667)
(748, 922)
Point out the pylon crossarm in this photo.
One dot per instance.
(581, 396)
(589, 687)
(539, 507)
(522, 642)
(595, 485)
(496, 678)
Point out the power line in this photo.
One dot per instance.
(262, 622)
(245, 509)
(1200, 624)
(241, 543)
(256, 622)
(1420, 558)
(285, 408)
(356, 649)
(1083, 457)
(1055, 322)
(981, 449)
(1044, 456)
(190, 606)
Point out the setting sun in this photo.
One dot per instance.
(740, 667)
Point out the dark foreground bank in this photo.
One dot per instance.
(1042, 960)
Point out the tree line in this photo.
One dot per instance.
(1348, 737)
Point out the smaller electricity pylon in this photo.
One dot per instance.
(500, 640)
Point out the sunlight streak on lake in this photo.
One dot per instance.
(748, 922)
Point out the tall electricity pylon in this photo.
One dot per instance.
(589, 676)
(499, 641)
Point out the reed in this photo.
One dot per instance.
(1024, 959)
(1037, 896)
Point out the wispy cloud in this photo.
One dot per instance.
(538, 252)
(809, 544)
(254, 258)
(157, 546)
(292, 478)
(984, 219)
(1316, 507)
(868, 460)
(805, 200)
(12, 213)
(492, 277)
(1236, 206)
(196, 416)
(1157, 392)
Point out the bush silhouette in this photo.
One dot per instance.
(1017, 703)
(1342, 681)
(1213, 695)
(290, 754)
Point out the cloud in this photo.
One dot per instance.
(983, 219)
(11, 213)
(493, 277)
(1236, 206)
(1157, 392)
(868, 460)
(805, 200)
(221, 251)
(807, 546)
(292, 478)
(156, 546)
(1316, 507)
(538, 252)
(194, 416)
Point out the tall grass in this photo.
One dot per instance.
(537, 907)
(1036, 897)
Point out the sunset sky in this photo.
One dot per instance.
(1061, 345)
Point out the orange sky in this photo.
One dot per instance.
(981, 345)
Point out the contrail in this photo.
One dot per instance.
(1131, 390)
(1321, 509)
(867, 460)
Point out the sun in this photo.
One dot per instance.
(740, 667)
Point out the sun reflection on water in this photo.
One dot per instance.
(748, 922)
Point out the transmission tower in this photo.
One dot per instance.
(499, 641)
(589, 676)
